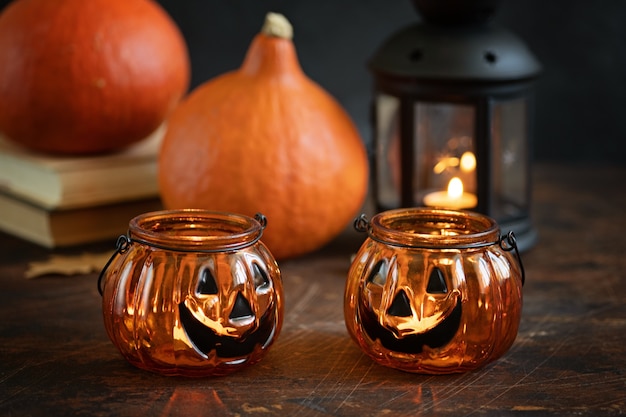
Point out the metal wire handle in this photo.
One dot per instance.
(361, 223)
(121, 246)
(511, 244)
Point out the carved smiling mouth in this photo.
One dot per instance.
(205, 339)
(436, 337)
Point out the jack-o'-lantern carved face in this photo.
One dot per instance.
(227, 314)
(193, 293)
(405, 315)
(433, 291)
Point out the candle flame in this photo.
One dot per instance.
(455, 188)
(445, 163)
(468, 161)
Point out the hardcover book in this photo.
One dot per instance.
(67, 227)
(63, 182)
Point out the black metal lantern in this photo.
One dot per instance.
(452, 115)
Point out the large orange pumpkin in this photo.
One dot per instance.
(267, 138)
(81, 76)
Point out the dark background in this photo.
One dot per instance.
(580, 96)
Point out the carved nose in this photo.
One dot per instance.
(401, 306)
(241, 310)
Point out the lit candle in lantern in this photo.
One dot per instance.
(454, 197)
(467, 162)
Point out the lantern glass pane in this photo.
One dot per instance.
(387, 151)
(445, 164)
(510, 156)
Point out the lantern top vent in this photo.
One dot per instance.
(456, 42)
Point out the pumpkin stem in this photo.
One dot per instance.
(272, 52)
(277, 25)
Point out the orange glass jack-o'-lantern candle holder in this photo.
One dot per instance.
(434, 291)
(192, 292)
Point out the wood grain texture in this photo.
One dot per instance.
(568, 359)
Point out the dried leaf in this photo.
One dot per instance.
(68, 265)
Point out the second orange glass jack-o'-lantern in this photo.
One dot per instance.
(434, 291)
(192, 292)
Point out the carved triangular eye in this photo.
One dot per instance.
(436, 282)
(379, 274)
(241, 309)
(401, 306)
(206, 283)
(261, 280)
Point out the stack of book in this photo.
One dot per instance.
(65, 201)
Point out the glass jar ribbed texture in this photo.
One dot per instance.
(193, 293)
(433, 291)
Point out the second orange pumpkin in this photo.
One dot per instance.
(265, 138)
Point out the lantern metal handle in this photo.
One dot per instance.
(121, 246)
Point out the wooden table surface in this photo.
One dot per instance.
(569, 357)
